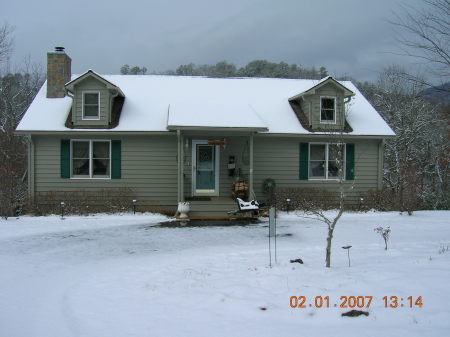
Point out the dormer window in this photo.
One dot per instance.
(91, 105)
(328, 110)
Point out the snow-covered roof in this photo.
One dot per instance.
(161, 103)
(210, 115)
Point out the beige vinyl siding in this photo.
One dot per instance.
(278, 158)
(91, 85)
(311, 107)
(149, 167)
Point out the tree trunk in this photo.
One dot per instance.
(328, 252)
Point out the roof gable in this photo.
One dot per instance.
(70, 86)
(323, 82)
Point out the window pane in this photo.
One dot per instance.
(335, 151)
(317, 169)
(317, 152)
(328, 103)
(205, 157)
(333, 169)
(91, 110)
(80, 149)
(327, 115)
(100, 167)
(100, 149)
(91, 98)
(327, 109)
(80, 167)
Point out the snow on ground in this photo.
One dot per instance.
(123, 275)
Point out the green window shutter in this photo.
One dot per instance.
(116, 159)
(65, 158)
(350, 161)
(304, 158)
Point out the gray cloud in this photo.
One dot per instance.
(349, 37)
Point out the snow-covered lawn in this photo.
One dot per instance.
(124, 276)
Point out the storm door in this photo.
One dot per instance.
(205, 173)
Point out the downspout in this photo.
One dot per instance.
(71, 95)
(114, 94)
(31, 178)
(345, 111)
(380, 163)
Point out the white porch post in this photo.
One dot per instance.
(250, 176)
(179, 145)
(181, 167)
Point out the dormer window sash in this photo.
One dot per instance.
(328, 108)
(91, 105)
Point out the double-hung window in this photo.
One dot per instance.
(325, 160)
(328, 110)
(91, 105)
(91, 159)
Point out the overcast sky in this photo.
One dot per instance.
(348, 37)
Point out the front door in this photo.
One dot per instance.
(205, 168)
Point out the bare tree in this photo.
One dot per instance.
(424, 33)
(17, 89)
(416, 160)
(6, 42)
(323, 209)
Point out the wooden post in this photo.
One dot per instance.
(250, 176)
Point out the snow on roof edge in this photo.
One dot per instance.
(264, 96)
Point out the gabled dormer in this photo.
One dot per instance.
(97, 103)
(323, 106)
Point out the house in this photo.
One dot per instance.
(171, 139)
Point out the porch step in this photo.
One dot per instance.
(218, 217)
(217, 207)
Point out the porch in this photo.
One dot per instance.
(213, 169)
(213, 208)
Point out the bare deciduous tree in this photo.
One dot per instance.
(424, 33)
(6, 42)
(17, 90)
(322, 210)
(416, 160)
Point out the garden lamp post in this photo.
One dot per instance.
(61, 206)
(134, 206)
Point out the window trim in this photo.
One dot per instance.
(326, 178)
(90, 118)
(91, 176)
(334, 114)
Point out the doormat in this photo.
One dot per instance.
(198, 199)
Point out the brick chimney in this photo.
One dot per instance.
(58, 72)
